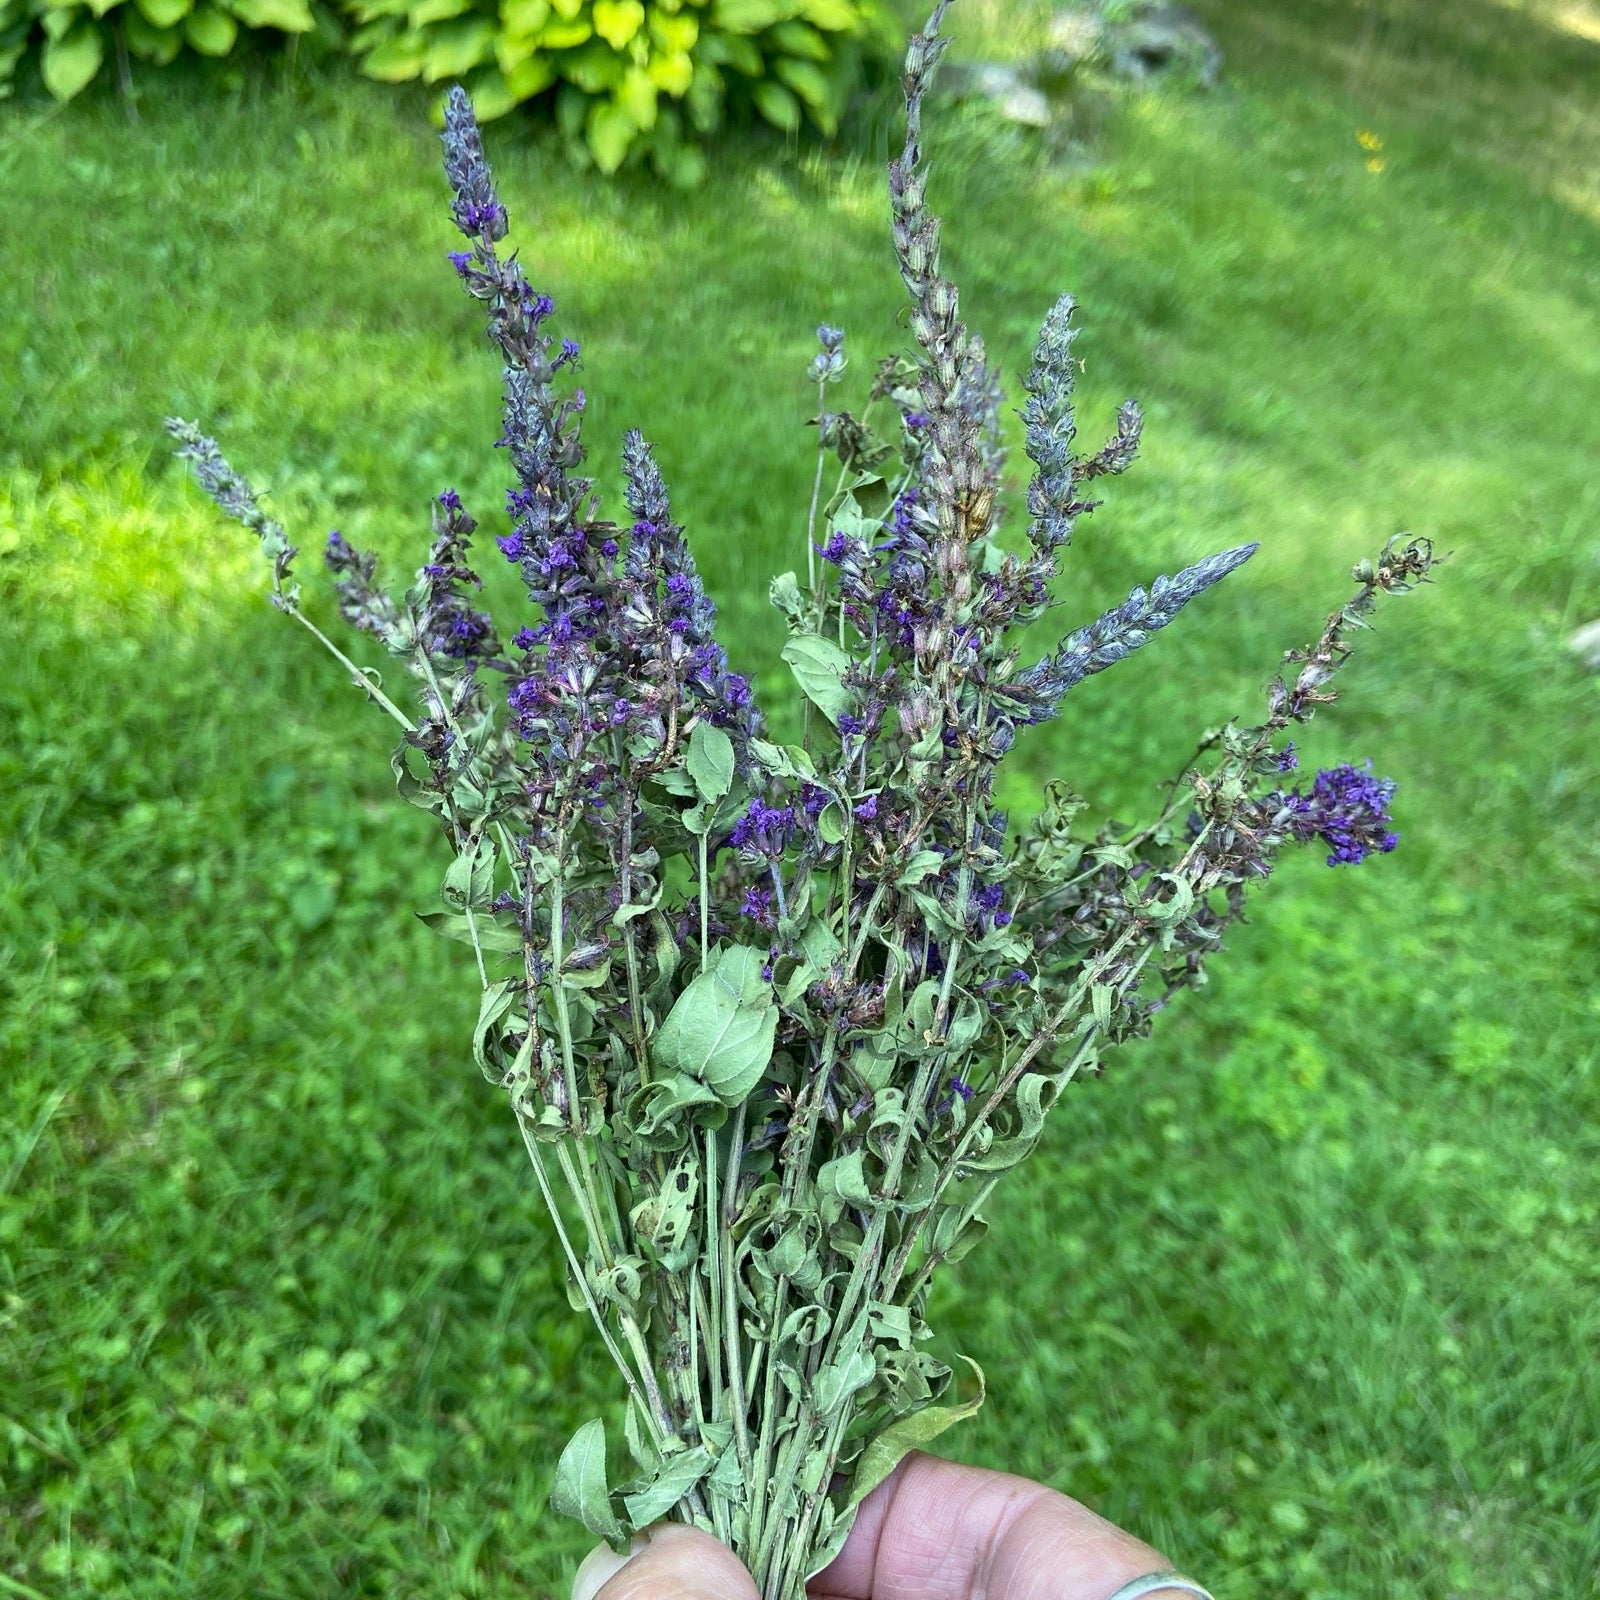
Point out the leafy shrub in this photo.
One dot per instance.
(76, 36)
(628, 79)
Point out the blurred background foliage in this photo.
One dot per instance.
(623, 78)
(1304, 1291)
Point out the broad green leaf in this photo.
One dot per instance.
(616, 21)
(580, 1489)
(722, 1027)
(70, 62)
(675, 1477)
(710, 760)
(778, 105)
(520, 17)
(165, 13)
(594, 68)
(784, 592)
(819, 666)
(636, 94)
(210, 31)
(492, 96)
(457, 47)
(674, 34)
(922, 865)
(397, 59)
(148, 42)
(814, 88)
(672, 74)
(832, 16)
(292, 16)
(563, 33)
(906, 1434)
(427, 11)
(749, 16)
(800, 39)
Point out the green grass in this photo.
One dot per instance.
(1307, 1290)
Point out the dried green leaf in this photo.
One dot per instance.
(580, 1489)
(722, 1027)
(673, 1479)
(492, 934)
(906, 1434)
(819, 666)
(710, 760)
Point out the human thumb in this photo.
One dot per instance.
(670, 1562)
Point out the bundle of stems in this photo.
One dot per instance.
(775, 1018)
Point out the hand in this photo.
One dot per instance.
(933, 1531)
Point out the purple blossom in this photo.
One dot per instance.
(851, 725)
(1286, 760)
(964, 1090)
(917, 420)
(461, 260)
(835, 547)
(757, 906)
(1348, 809)
(868, 808)
(763, 830)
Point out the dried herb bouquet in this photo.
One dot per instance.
(775, 1019)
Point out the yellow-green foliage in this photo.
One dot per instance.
(628, 78)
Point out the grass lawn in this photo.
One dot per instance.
(1306, 1290)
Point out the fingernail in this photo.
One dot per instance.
(601, 1565)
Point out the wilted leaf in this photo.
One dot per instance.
(722, 1027)
(580, 1489)
(906, 1434)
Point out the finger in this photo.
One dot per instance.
(936, 1530)
(670, 1562)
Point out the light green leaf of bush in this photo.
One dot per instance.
(292, 16)
(521, 17)
(799, 39)
(580, 1489)
(565, 33)
(428, 11)
(209, 31)
(165, 13)
(818, 664)
(637, 96)
(595, 68)
(672, 74)
(807, 80)
(749, 16)
(616, 21)
(457, 47)
(778, 105)
(148, 42)
(70, 62)
(397, 59)
(906, 1434)
(610, 131)
(722, 1027)
(832, 16)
